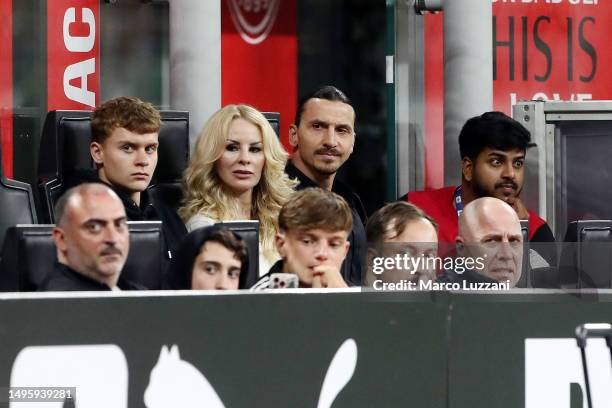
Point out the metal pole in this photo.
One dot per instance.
(195, 60)
(468, 73)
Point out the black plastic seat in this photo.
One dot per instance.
(64, 148)
(525, 280)
(16, 203)
(586, 259)
(249, 232)
(274, 119)
(29, 254)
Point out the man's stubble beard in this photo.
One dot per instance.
(480, 191)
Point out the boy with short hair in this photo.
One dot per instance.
(313, 239)
(125, 133)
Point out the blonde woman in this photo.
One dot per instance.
(237, 173)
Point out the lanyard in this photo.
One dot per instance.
(458, 202)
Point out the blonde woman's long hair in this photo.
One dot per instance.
(206, 194)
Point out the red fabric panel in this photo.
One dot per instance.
(260, 67)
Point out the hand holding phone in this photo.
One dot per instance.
(283, 281)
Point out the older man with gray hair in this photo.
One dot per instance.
(92, 241)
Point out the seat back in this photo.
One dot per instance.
(16, 202)
(546, 277)
(64, 149)
(586, 259)
(144, 263)
(29, 255)
(525, 280)
(274, 119)
(249, 232)
(173, 158)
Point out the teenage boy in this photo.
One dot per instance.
(313, 239)
(124, 143)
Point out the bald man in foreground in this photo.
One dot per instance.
(92, 241)
(490, 233)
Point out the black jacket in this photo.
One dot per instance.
(264, 281)
(354, 263)
(172, 226)
(63, 278)
(468, 276)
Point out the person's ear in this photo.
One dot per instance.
(460, 244)
(370, 255)
(97, 152)
(347, 245)
(281, 242)
(59, 239)
(293, 136)
(467, 169)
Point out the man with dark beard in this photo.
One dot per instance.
(322, 137)
(492, 148)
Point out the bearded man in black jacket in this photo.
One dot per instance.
(323, 137)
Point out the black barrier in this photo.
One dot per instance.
(256, 350)
(421, 349)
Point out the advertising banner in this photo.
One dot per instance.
(546, 50)
(259, 56)
(73, 54)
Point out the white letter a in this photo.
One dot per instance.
(80, 70)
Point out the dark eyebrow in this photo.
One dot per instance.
(213, 263)
(95, 221)
(346, 125)
(232, 141)
(411, 247)
(498, 153)
(319, 121)
(489, 236)
(127, 142)
(136, 144)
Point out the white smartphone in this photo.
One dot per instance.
(283, 281)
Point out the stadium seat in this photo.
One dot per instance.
(29, 254)
(525, 280)
(64, 148)
(274, 119)
(16, 203)
(545, 278)
(249, 231)
(586, 259)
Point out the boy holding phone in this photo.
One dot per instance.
(313, 240)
